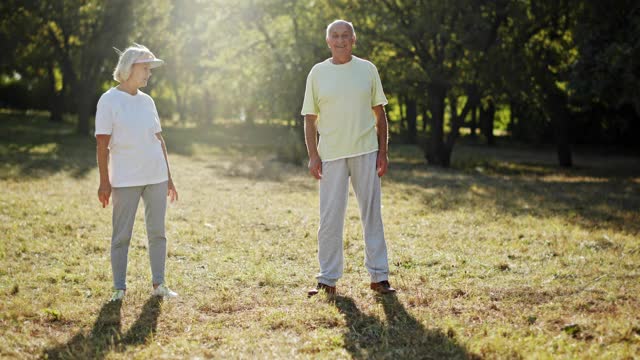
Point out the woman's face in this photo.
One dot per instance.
(140, 74)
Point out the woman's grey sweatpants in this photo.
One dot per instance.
(125, 205)
(334, 192)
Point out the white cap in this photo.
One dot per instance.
(149, 58)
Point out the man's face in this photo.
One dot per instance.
(140, 74)
(341, 40)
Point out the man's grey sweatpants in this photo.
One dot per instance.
(125, 205)
(334, 192)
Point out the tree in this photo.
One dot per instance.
(74, 36)
(82, 34)
(447, 41)
(605, 81)
(27, 59)
(539, 53)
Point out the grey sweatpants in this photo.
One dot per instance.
(125, 205)
(334, 192)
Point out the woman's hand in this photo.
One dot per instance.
(172, 193)
(104, 193)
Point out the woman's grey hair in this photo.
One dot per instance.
(336, 22)
(127, 58)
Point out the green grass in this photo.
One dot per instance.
(503, 256)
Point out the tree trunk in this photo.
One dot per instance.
(512, 117)
(435, 151)
(560, 122)
(562, 141)
(55, 100)
(457, 121)
(178, 97)
(412, 120)
(403, 112)
(487, 116)
(84, 114)
(250, 115)
(211, 108)
(425, 118)
(85, 101)
(518, 121)
(473, 126)
(298, 122)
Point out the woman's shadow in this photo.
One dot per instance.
(402, 336)
(106, 334)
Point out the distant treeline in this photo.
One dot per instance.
(562, 72)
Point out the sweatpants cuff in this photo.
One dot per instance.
(326, 281)
(376, 278)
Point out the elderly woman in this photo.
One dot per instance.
(133, 164)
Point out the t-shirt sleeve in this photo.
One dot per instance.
(104, 117)
(310, 103)
(377, 94)
(157, 128)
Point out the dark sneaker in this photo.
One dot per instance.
(331, 290)
(382, 287)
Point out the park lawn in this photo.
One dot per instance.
(503, 256)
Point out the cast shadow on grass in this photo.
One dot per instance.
(597, 195)
(33, 147)
(145, 326)
(402, 336)
(257, 152)
(106, 334)
(231, 139)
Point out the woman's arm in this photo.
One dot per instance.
(102, 156)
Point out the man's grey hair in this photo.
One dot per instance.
(127, 59)
(337, 22)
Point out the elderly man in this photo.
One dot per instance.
(344, 103)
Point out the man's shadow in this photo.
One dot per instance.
(106, 334)
(402, 336)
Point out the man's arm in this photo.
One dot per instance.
(311, 139)
(382, 128)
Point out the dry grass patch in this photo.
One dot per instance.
(503, 256)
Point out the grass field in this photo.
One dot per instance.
(503, 256)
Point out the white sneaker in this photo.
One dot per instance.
(117, 295)
(164, 291)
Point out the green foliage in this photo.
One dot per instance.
(291, 148)
(606, 72)
(560, 68)
(52, 314)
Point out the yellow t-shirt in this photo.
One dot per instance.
(343, 97)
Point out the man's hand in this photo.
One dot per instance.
(315, 167)
(172, 193)
(381, 163)
(104, 193)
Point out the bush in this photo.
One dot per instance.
(291, 147)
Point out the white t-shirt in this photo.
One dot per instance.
(343, 97)
(135, 153)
